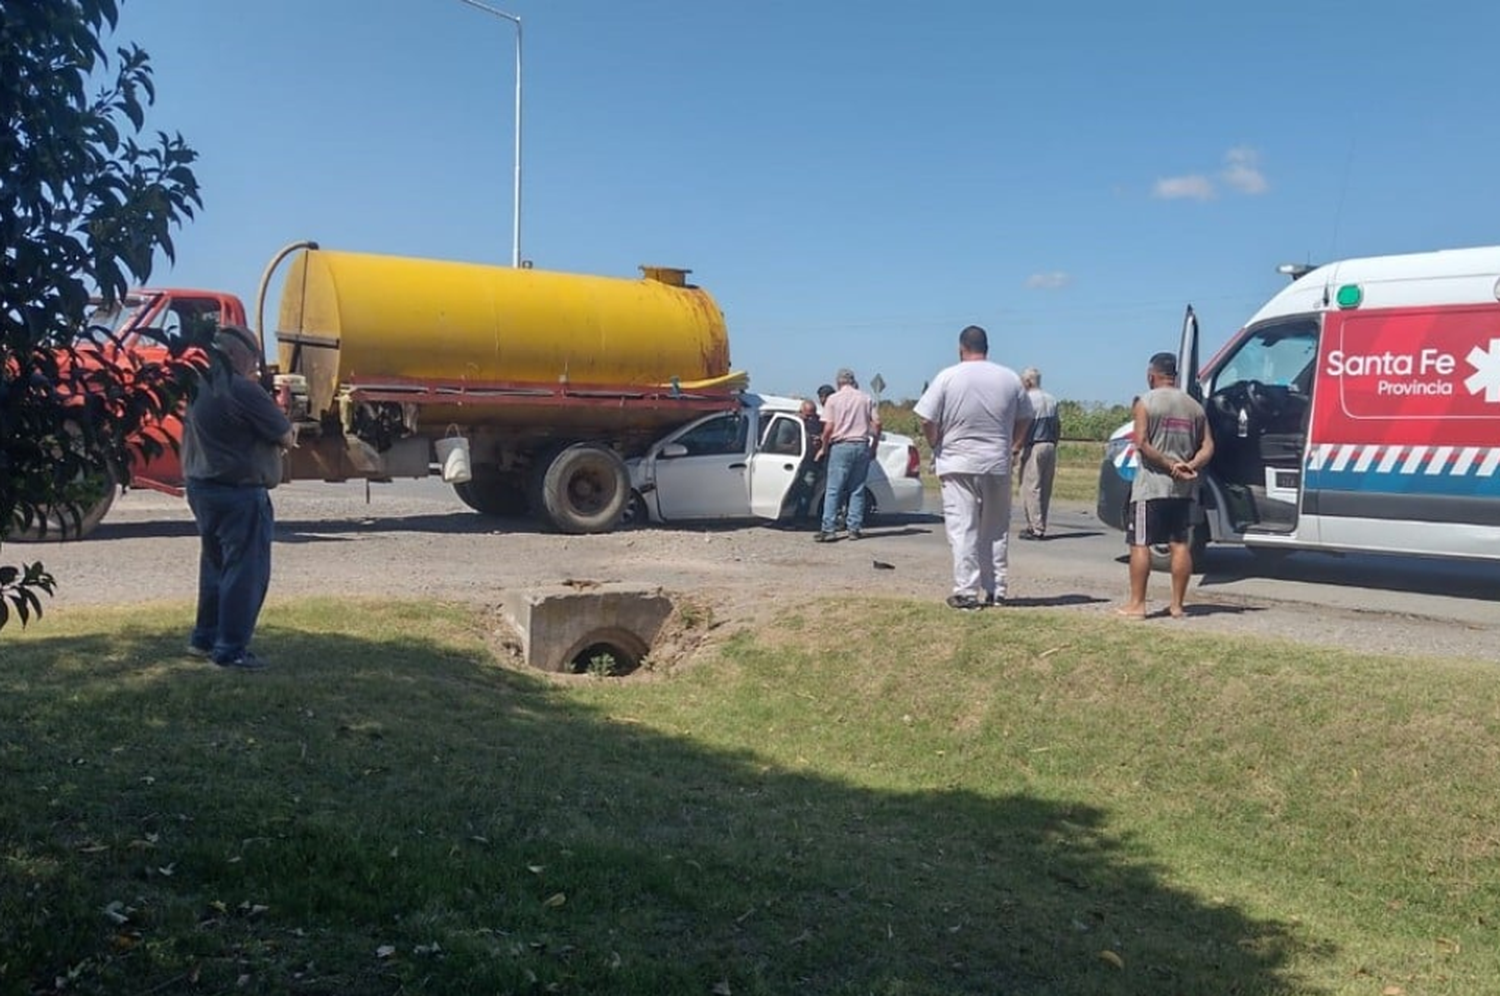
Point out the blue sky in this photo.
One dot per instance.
(854, 182)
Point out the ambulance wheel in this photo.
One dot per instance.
(1161, 553)
(583, 489)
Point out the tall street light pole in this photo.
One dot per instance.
(515, 248)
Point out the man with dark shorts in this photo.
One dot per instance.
(1173, 443)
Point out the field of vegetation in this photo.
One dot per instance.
(1084, 430)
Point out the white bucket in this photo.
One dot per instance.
(453, 454)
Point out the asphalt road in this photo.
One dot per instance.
(415, 539)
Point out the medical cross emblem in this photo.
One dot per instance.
(1486, 376)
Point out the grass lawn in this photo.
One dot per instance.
(1077, 476)
(887, 799)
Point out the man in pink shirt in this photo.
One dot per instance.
(851, 433)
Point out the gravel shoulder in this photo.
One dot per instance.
(415, 539)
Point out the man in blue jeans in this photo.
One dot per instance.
(851, 432)
(232, 438)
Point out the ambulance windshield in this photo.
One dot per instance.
(1278, 355)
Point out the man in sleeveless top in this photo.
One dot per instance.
(1037, 454)
(1173, 442)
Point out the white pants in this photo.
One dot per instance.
(976, 515)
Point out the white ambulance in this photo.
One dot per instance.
(1358, 410)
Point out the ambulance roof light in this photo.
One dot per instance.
(1296, 271)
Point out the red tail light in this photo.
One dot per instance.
(913, 462)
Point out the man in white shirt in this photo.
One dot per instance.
(971, 413)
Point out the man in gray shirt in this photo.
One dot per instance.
(1173, 441)
(232, 438)
(1037, 454)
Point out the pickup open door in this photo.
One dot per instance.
(774, 467)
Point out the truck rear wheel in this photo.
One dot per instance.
(94, 496)
(492, 492)
(583, 489)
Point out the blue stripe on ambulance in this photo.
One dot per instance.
(1421, 470)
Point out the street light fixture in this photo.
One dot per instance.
(515, 249)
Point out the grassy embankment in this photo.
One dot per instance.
(885, 798)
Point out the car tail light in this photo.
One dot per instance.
(913, 462)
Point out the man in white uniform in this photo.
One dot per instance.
(971, 413)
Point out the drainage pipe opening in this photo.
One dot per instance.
(608, 654)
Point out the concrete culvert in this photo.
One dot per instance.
(609, 654)
(585, 626)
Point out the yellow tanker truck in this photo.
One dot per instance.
(545, 381)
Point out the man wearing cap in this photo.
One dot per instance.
(1173, 441)
(232, 437)
(971, 413)
(851, 432)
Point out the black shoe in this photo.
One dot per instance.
(822, 537)
(855, 534)
(990, 601)
(1027, 534)
(193, 650)
(964, 603)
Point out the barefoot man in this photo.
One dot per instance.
(1173, 441)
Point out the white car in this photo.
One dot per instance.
(742, 465)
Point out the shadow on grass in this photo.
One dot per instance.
(500, 835)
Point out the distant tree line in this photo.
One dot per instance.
(1081, 421)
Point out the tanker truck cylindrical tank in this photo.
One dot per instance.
(366, 317)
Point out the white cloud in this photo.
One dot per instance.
(1055, 280)
(1242, 171)
(1194, 187)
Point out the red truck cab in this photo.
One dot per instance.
(136, 327)
(133, 336)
